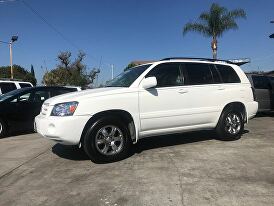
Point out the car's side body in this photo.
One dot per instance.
(9, 85)
(153, 111)
(263, 87)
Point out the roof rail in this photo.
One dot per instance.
(238, 62)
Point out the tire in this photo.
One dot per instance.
(230, 125)
(107, 140)
(3, 129)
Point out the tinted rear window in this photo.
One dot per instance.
(198, 73)
(260, 82)
(228, 74)
(7, 87)
(23, 85)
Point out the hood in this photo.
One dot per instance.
(85, 94)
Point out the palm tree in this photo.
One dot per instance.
(214, 23)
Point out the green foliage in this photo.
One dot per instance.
(130, 65)
(19, 73)
(214, 23)
(70, 73)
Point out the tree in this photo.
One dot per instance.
(33, 74)
(19, 73)
(70, 72)
(214, 23)
(130, 65)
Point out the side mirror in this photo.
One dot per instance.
(149, 82)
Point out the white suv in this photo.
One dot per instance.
(10, 85)
(168, 96)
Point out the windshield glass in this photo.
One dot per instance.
(3, 97)
(126, 78)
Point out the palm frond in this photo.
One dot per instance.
(205, 16)
(237, 13)
(197, 27)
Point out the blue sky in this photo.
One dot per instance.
(124, 30)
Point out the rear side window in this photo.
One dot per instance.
(198, 73)
(7, 87)
(23, 85)
(167, 75)
(260, 82)
(228, 74)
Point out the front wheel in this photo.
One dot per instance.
(107, 140)
(230, 125)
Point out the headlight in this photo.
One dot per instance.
(64, 109)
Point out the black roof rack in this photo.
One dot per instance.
(238, 62)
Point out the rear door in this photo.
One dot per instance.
(262, 89)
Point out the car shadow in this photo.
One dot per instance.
(74, 153)
(264, 114)
(69, 152)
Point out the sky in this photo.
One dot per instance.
(120, 31)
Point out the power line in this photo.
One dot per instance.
(55, 29)
(49, 24)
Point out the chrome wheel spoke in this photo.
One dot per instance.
(117, 138)
(104, 132)
(113, 131)
(105, 149)
(114, 147)
(100, 141)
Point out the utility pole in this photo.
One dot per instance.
(13, 39)
(11, 65)
(112, 71)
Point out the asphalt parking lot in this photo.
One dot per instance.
(183, 169)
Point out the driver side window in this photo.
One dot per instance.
(167, 75)
(22, 98)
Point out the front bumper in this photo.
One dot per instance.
(65, 130)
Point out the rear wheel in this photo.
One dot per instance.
(230, 125)
(3, 128)
(107, 140)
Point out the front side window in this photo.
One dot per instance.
(40, 96)
(228, 74)
(198, 73)
(167, 74)
(260, 82)
(126, 78)
(22, 98)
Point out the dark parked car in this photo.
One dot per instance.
(263, 87)
(18, 108)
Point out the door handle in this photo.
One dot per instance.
(183, 91)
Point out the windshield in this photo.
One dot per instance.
(5, 96)
(126, 78)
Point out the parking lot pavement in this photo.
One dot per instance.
(183, 169)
